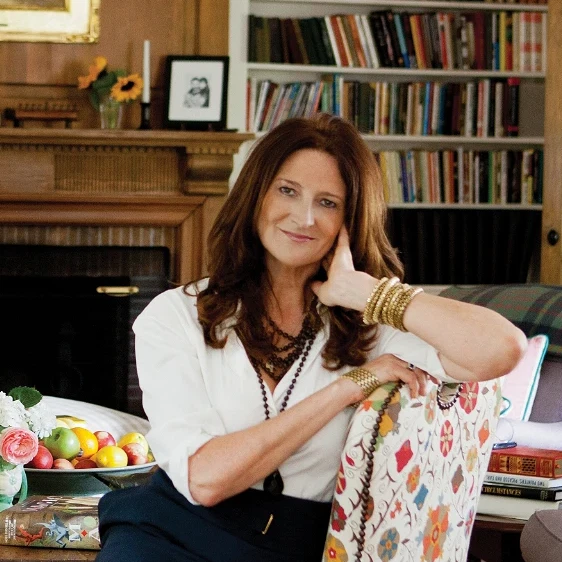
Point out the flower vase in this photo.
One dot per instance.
(12, 481)
(111, 113)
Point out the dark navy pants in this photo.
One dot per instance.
(155, 522)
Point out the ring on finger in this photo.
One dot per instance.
(411, 366)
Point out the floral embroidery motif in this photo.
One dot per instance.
(388, 545)
(404, 455)
(420, 497)
(446, 438)
(334, 551)
(413, 479)
(338, 517)
(458, 479)
(435, 533)
(469, 396)
(471, 459)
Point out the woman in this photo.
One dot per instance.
(249, 376)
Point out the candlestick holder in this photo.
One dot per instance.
(145, 115)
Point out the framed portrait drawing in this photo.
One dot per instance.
(196, 90)
(50, 21)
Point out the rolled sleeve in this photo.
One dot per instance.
(412, 349)
(175, 397)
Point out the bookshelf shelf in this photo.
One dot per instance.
(419, 5)
(409, 73)
(448, 141)
(473, 206)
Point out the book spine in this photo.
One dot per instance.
(529, 465)
(512, 109)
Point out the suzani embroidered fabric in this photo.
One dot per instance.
(427, 472)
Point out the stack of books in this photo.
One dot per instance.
(520, 481)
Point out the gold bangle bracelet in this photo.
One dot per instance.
(366, 379)
(373, 299)
(375, 317)
(412, 293)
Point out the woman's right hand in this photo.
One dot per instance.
(388, 368)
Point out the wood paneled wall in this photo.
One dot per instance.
(175, 27)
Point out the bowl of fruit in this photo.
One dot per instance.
(92, 450)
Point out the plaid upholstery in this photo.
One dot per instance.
(534, 308)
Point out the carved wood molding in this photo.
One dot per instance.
(182, 213)
(183, 162)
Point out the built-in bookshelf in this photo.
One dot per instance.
(459, 86)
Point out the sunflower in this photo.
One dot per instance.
(127, 88)
(94, 72)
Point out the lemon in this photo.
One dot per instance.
(134, 437)
(111, 456)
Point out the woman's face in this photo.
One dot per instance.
(303, 211)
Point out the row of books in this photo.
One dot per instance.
(520, 481)
(484, 108)
(462, 176)
(509, 41)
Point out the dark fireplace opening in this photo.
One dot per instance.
(63, 332)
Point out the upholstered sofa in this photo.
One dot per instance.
(536, 309)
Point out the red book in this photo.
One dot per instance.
(529, 461)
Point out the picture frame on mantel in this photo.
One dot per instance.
(50, 21)
(196, 92)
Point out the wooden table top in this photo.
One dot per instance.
(36, 554)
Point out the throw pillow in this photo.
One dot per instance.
(519, 387)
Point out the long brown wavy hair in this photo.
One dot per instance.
(237, 276)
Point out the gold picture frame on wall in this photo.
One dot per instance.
(50, 21)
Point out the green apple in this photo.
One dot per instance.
(63, 443)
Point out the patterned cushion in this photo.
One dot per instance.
(534, 308)
(427, 470)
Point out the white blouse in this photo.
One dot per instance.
(192, 393)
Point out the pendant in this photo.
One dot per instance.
(273, 484)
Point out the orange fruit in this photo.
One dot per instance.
(88, 442)
(111, 456)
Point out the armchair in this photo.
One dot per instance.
(411, 472)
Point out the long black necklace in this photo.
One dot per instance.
(273, 484)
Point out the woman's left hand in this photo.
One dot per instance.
(345, 286)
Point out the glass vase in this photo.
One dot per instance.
(12, 482)
(111, 113)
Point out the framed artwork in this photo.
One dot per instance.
(50, 21)
(196, 92)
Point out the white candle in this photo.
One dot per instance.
(146, 72)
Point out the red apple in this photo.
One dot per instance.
(43, 458)
(85, 463)
(104, 438)
(135, 453)
(62, 464)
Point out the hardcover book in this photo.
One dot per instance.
(52, 522)
(529, 461)
(518, 508)
(528, 492)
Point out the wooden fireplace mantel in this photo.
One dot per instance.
(119, 178)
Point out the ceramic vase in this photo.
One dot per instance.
(12, 482)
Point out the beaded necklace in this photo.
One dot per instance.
(273, 483)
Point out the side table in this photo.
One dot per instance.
(496, 539)
(35, 554)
